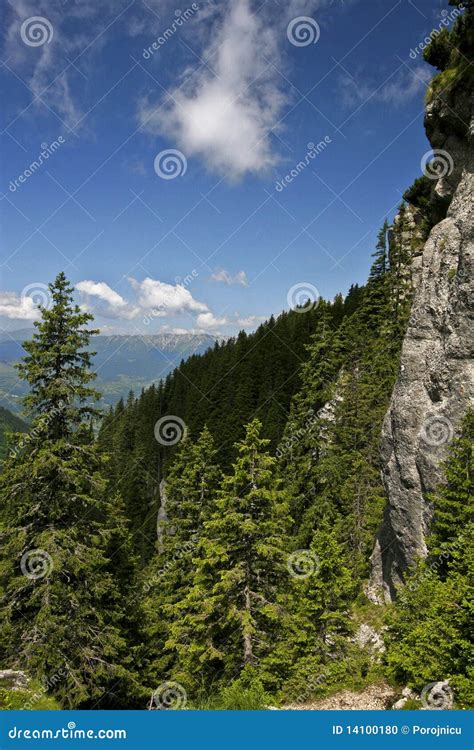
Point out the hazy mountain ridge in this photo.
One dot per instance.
(122, 362)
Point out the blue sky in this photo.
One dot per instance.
(222, 239)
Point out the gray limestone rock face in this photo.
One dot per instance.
(434, 388)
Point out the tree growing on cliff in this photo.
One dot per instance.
(453, 503)
(430, 635)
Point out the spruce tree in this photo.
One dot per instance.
(62, 610)
(453, 503)
(227, 621)
(189, 491)
(316, 623)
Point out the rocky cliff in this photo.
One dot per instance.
(435, 387)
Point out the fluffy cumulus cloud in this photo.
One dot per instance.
(166, 299)
(147, 299)
(224, 277)
(226, 110)
(111, 303)
(18, 307)
(208, 320)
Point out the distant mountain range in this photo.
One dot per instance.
(123, 363)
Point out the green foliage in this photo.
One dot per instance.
(228, 618)
(329, 454)
(190, 492)
(224, 388)
(438, 53)
(245, 694)
(430, 634)
(454, 501)
(32, 698)
(59, 531)
(9, 423)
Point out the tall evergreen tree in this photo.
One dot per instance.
(227, 620)
(188, 493)
(62, 608)
(453, 503)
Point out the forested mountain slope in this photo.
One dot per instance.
(214, 541)
(253, 374)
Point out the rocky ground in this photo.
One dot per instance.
(373, 698)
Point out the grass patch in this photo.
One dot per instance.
(27, 699)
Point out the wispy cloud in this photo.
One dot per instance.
(224, 277)
(68, 30)
(226, 111)
(251, 321)
(396, 90)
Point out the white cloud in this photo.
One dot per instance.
(225, 112)
(18, 307)
(76, 28)
(167, 299)
(115, 306)
(402, 87)
(208, 320)
(103, 291)
(225, 277)
(252, 321)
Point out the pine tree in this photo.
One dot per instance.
(189, 491)
(226, 622)
(317, 622)
(62, 608)
(454, 501)
(430, 634)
